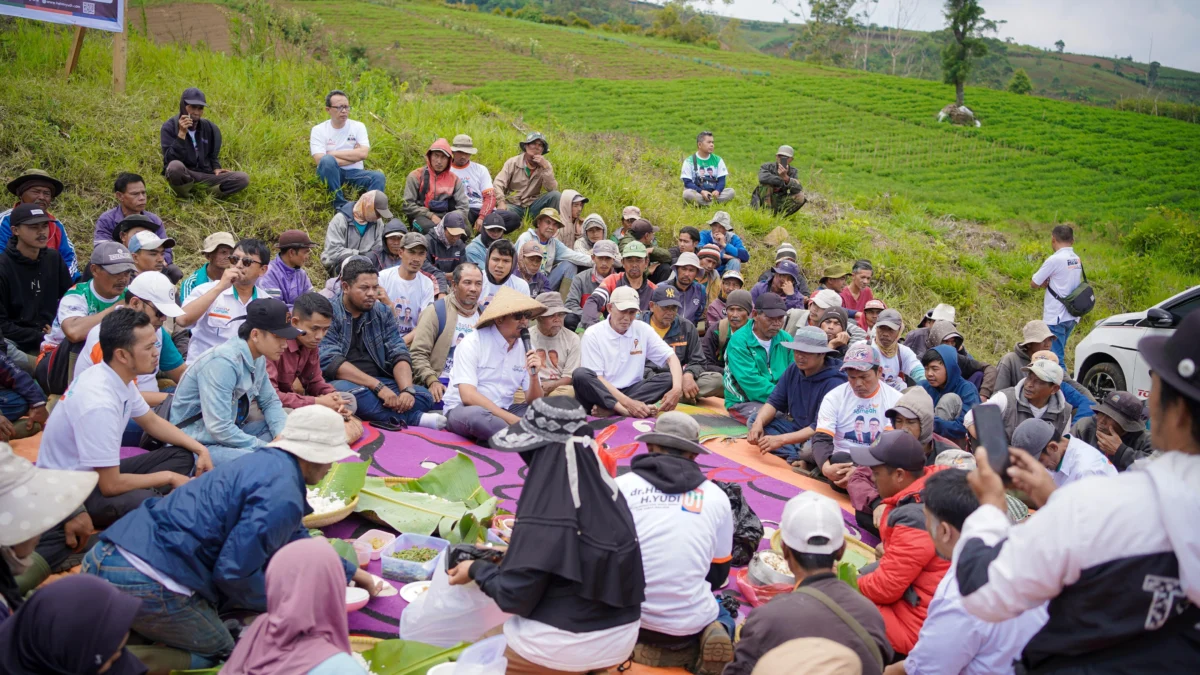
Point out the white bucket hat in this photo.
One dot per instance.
(315, 434)
(33, 500)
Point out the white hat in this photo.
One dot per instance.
(625, 298)
(809, 515)
(315, 434)
(145, 240)
(157, 289)
(942, 312)
(33, 500)
(827, 298)
(687, 258)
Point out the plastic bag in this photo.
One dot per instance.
(747, 528)
(485, 657)
(755, 594)
(446, 615)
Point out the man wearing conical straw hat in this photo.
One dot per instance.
(490, 365)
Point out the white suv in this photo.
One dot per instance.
(1107, 359)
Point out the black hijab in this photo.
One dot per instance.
(488, 272)
(70, 627)
(581, 530)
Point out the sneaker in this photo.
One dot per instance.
(435, 421)
(716, 650)
(658, 657)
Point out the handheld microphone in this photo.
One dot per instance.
(525, 342)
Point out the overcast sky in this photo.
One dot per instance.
(1097, 27)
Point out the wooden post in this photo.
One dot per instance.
(120, 45)
(76, 47)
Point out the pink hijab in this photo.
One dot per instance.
(305, 623)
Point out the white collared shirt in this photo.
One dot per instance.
(621, 359)
(485, 361)
(1080, 461)
(217, 325)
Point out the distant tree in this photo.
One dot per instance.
(1020, 82)
(1096, 65)
(826, 30)
(967, 25)
(1060, 46)
(1152, 76)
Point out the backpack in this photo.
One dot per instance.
(1079, 301)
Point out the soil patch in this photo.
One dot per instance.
(185, 23)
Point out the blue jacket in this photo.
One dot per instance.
(733, 247)
(801, 396)
(215, 383)
(216, 533)
(66, 250)
(1081, 403)
(955, 384)
(477, 252)
(381, 339)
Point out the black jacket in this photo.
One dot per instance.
(203, 157)
(29, 294)
(681, 337)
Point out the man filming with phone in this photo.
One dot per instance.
(191, 149)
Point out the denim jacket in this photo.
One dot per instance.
(381, 339)
(214, 384)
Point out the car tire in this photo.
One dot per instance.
(1103, 378)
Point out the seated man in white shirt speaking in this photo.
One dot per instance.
(610, 377)
(490, 365)
(1067, 458)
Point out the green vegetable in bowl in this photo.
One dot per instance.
(417, 554)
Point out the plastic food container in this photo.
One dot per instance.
(363, 551)
(405, 570)
(356, 598)
(384, 537)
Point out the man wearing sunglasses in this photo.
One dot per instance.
(210, 309)
(338, 147)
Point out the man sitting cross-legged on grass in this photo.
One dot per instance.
(300, 361)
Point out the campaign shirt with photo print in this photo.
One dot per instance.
(559, 354)
(462, 328)
(476, 180)
(704, 172)
(621, 359)
(490, 290)
(408, 298)
(855, 422)
(324, 139)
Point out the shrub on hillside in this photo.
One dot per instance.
(1168, 235)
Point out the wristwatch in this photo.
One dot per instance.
(377, 388)
(410, 391)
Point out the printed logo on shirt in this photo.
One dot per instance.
(635, 350)
(693, 501)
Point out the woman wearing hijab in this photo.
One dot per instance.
(74, 626)
(356, 229)
(304, 629)
(572, 577)
(570, 209)
(433, 191)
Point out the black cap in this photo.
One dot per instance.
(898, 449)
(270, 315)
(193, 96)
(493, 220)
(1176, 358)
(770, 305)
(666, 295)
(29, 214)
(136, 220)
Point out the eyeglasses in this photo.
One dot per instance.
(238, 261)
(340, 108)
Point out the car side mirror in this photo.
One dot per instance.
(1160, 318)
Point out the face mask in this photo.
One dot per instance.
(16, 565)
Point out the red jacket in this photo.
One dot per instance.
(909, 562)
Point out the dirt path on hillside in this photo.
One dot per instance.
(185, 23)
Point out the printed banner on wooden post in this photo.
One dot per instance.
(106, 15)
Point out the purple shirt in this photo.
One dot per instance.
(284, 282)
(793, 301)
(106, 228)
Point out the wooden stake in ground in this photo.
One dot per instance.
(120, 46)
(76, 47)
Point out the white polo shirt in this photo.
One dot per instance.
(484, 360)
(621, 359)
(84, 430)
(1064, 271)
(1080, 461)
(217, 325)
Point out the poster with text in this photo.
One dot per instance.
(106, 15)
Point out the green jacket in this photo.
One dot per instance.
(750, 373)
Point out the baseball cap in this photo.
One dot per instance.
(641, 227)
(1032, 436)
(532, 249)
(786, 151)
(1125, 409)
(412, 240)
(812, 523)
(770, 305)
(28, 214)
(148, 241)
(381, 205)
(739, 298)
(194, 96)
(1174, 358)
(493, 221)
(710, 251)
(721, 218)
(1045, 371)
(295, 239)
(553, 302)
(810, 340)
(1034, 332)
(675, 430)
(454, 223)
(890, 318)
(959, 459)
(836, 271)
(666, 295)
(579, 199)
(463, 143)
(315, 434)
(631, 213)
(550, 213)
(826, 298)
(394, 228)
(157, 289)
(1044, 355)
(734, 274)
(687, 258)
(270, 315)
(113, 257)
(894, 448)
(634, 249)
(860, 356)
(874, 304)
(624, 298)
(606, 248)
(216, 239)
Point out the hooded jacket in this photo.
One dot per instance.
(1008, 373)
(955, 384)
(29, 294)
(442, 254)
(344, 239)
(424, 189)
(203, 157)
(476, 251)
(967, 365)
(571, 230)
(794, 301)
(681, 337)
(910, 570)
(582, 245)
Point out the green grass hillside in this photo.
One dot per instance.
(266, 97)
